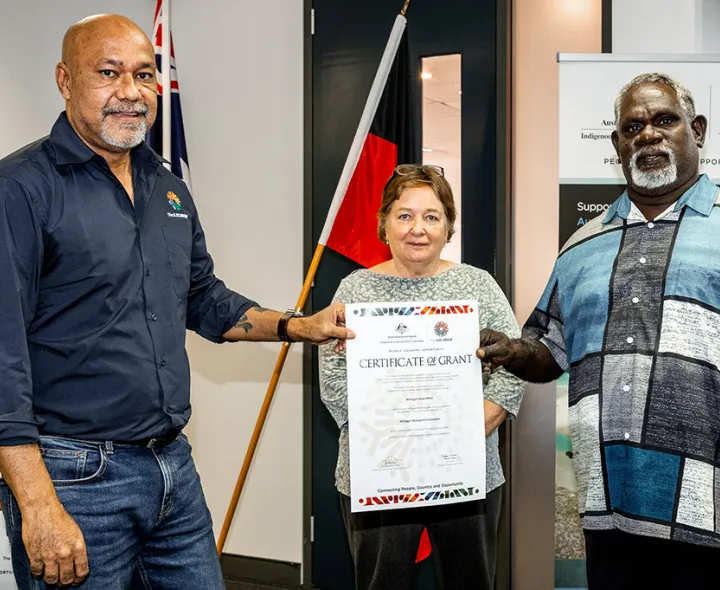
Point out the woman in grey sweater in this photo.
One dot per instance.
(416, 220)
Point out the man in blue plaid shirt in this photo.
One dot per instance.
(632, 312)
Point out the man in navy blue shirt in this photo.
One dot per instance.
(104, 266)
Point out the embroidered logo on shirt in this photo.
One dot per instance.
(174, 201)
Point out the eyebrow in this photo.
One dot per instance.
(661, 113)
(412, 210)
(118, 63)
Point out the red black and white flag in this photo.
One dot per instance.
(392, 140)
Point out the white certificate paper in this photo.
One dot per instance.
(415, 404)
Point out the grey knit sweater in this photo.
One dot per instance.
(459, 282)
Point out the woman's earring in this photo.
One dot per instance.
(387, 242)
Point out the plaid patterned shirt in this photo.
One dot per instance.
(632, 311)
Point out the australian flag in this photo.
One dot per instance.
(179, 155)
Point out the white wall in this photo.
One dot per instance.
(666, 26)
(31, 34)
(241, 78)
(654, 26)
(709, 18)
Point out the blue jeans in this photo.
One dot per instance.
(142, 513)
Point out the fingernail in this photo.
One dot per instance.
(351, 334)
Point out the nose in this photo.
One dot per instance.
(128, 90)
(418, 227)
(649, 135)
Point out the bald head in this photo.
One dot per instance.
(80, 37)
(107, 77)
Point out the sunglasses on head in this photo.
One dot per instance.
(405, 169)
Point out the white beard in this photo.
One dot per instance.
(652, 179)
(138, 129)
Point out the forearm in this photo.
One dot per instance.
(532, 361)
(257, 325)
(260, 325)
(23, 469)
(495, 415)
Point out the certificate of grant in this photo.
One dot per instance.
(415, 404)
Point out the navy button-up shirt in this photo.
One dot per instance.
(96, 294)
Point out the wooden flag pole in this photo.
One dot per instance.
(348, 170)
(260, 423)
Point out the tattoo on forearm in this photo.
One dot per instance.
(244, 323)
(259, 309)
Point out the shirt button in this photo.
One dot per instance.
(627, 435)
(630, 340)
(651, 225)
(643, 260)
(153, 317)
(626, 388)
(636, 300)
(162, 362)
(147, 272)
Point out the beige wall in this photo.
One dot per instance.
(542, 28)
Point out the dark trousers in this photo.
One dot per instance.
(463, 538)
(620, 561)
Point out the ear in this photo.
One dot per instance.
(62, 77)
(699, 128)
(615, 138)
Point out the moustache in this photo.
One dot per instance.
(128, 107)
(645, 152)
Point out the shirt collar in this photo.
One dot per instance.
(70, 149)
(701, 197)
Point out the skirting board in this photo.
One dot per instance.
(257, 569)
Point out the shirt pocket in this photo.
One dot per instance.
(178, 246)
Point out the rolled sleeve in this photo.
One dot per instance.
(545, 323)
(212, 308)
(21, 256)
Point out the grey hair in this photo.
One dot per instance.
(684, 96)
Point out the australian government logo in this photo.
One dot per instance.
(414, 494)
(174, 202)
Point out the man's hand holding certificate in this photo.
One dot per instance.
(415, 404)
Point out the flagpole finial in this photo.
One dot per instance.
(405, 7)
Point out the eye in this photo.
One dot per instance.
(665, 121)
(146, 76)
(634, 127)
(432, 218)
(404, 216)
(107, 73)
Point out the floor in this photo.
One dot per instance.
(235, 585)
